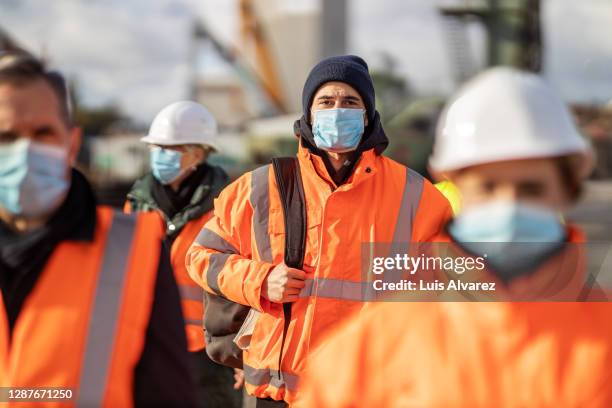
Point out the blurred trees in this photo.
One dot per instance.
(409, 120)
(95, 121)
(392, 89)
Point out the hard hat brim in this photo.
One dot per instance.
(154, 140)
(584, 168)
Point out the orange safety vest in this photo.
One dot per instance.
(192, 294)
(468, 354)
(383, 201)
(84, 324)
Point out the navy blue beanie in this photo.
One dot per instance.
(351, 70)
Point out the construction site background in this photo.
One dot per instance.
(257, 97)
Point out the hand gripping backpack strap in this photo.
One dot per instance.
(291, 191)
(223, 318)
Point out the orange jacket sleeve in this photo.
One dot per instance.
(221, 258)
(431, 219)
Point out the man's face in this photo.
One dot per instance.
(191, 155)
(536, 181)
(32, 111)
(334, 95)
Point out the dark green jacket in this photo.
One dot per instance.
(140, 198)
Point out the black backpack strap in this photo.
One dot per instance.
(291, 191)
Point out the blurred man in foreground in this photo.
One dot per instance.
(88, 300)
(181, 187)
(510, 146)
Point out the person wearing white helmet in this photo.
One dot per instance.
(181, 137)
(181, 187)
(509, 145)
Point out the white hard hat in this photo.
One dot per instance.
(181, 123)
(505, 114)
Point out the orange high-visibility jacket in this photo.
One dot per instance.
(467, 354)
(192, 294)
(84, 324)
(383, 201)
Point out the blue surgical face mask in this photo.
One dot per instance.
(166, 164)
(515, 237)
(34, 178)
(338, 130)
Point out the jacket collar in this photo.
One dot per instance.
(367, 165)
(201, 202)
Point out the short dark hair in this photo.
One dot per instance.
(22, 68)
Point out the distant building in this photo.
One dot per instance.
(296, 36)
(226, 99)
(300, 36)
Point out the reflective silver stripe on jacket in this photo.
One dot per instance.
(339, 289)
(210, 239)
(262, 376)
(260, 201)
(411, 197)
(404, 224)
(104, 318)
(195, 322)
(189, 292)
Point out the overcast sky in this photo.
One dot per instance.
(134, 53)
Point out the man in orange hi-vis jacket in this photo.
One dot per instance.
(514, 177)
(353, 194)
(89, 307)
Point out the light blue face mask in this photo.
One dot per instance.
(166, 164)
(33, 178)
(338, 130)
(515, 237)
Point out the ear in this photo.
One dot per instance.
(76, 137)
(437, 176)
(365, 116)
(201, 154)
(194, 157)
